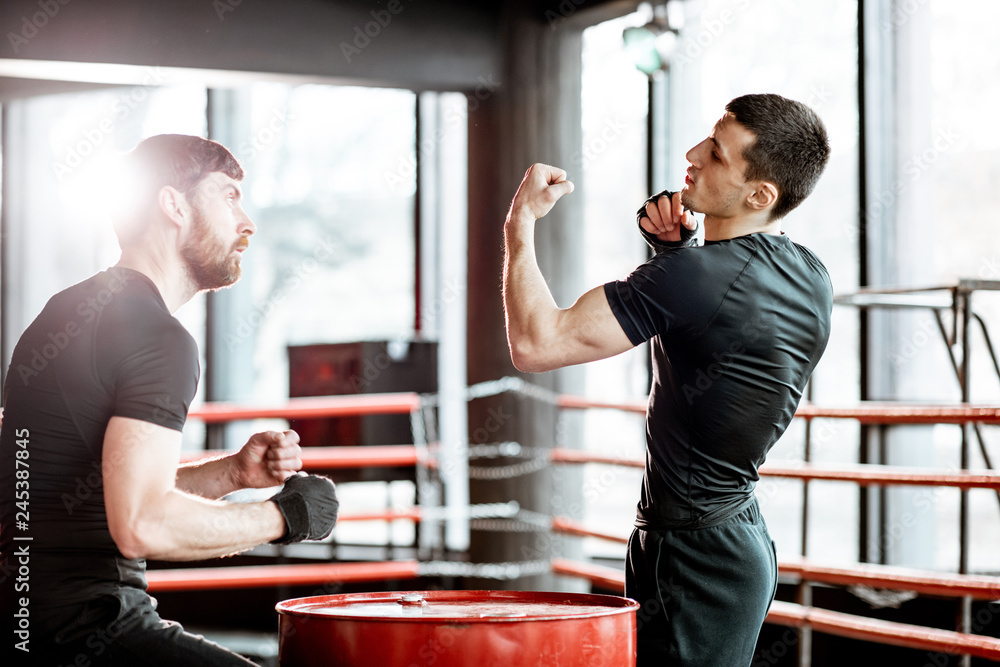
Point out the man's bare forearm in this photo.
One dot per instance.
(212, 478)
(542, 336)
(188, 528)
(529, 306)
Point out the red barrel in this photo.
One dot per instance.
(458, 629)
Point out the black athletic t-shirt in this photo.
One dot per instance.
(105, 347)
(737, 327)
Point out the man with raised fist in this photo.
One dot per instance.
(736, 326)
(99, 390)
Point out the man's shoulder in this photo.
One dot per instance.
(97, 293)
(695, 280)
(711, 263)
(130, 312)
(816, 266)
(128, 295)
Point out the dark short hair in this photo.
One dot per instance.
(790, 148)
(181, 161)
(178, 160)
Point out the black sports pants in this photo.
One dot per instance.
(703, 592)
(120, 630)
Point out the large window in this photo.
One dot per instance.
(806, 52)
(611, 170)
(331, 174)
(946, 165)
(61, 151)
(935, 226)
(725, 49)
(330, 184)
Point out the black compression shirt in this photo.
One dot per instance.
(737, 327)
(105, 347)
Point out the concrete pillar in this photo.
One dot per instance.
(532, 115)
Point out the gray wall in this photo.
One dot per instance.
(519, 62)
(431, 44)
(533, 117)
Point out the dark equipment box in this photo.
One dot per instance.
(365, 367)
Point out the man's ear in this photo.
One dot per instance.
(765, 194)
(173, 204)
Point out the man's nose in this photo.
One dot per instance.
(692, 154)
(247, 227)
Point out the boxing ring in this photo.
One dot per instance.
(423, 456)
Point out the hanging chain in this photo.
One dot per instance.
(525, 521)
(500, 571)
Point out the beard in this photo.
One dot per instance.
(210, 263)
(721, 205)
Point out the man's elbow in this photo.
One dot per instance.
(530, 359)
(136, 539)
(131, 546)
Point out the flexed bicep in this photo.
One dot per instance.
(586, 331)
(139, 467)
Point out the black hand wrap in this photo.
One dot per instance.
(309, 505)
(687, 235)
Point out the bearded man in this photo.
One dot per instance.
(96, 396)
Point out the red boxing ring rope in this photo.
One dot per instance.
(406, 402)
(867, 413)
(263, 576)
(311, 407)
(863, 474)
(878, 576)
(328, 458)
(783, 613)
(822, 620)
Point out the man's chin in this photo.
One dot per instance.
(213, 283)
(688, 202)
(234, 277)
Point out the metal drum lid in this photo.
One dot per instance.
(464, 606)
